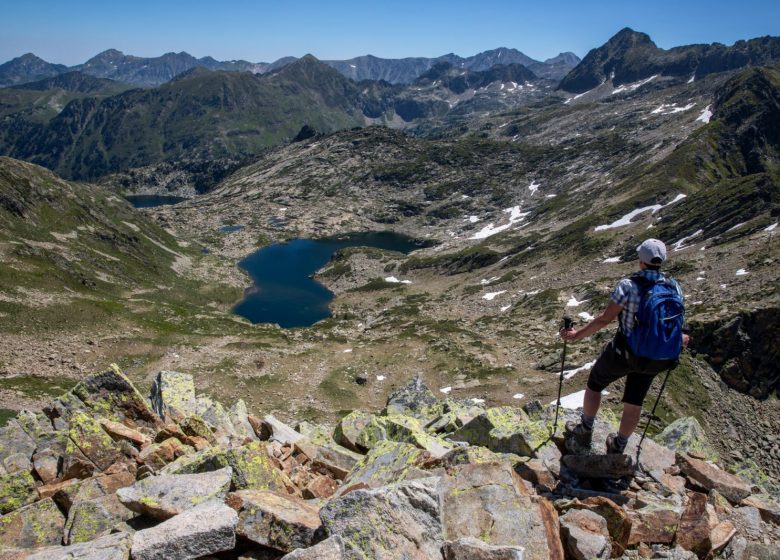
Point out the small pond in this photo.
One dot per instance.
(284, 291)
(152, 200)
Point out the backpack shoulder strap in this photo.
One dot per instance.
(643, 283)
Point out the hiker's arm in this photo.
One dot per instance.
(609, 314)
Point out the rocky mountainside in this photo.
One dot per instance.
(406, 70)
(630, 56)
(28, 68)
(75, 82)
(103, 472)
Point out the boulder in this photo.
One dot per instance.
(600, 466)
(585, 535)
(652, 524)
(92, 441)
(33, 526)
(414, 399)
(158, 455)
(320, 487)
(741, 549)
(206, 460)
(205, 529)
(536, 473)
(254, 469)
(397, 521)
(194, 426)
(710, 477)
(217, 419)
(165, 496)
(693, 532)
(467, 455)
(386, 463)
(280, 522)
(469, 548)
(279, 431)
(490, 502)
(110, 547)
(112, 395)
(16, 490)
(328, 455)
(505, 430)
(70, 493)
(46, 464)
(618, 522)
(722, 533)
(454, 415)
(239, 417)
(404, 429)
(685, 435)
(173, 395)
(15, 444)
(770, 511)
(331, 548)
(348, 429)
(120, 432)
(90, 519)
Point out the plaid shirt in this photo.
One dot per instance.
(628, 295)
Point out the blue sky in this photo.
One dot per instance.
(70, 32)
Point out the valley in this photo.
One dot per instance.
(533, 193)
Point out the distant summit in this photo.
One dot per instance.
(27, 68)
(630, 56)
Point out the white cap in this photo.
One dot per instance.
(652, 251)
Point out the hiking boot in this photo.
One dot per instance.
(577, 432)
(612, 445)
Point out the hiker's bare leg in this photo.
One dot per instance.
(590, 405)
(629, 419)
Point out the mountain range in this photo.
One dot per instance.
(149, 72)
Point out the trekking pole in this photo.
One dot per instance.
(652, 415)
(567, 324)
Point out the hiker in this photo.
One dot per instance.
(654, 350)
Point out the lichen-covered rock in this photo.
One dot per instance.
(173, 395)
(413, 399)
(70, 494)
(685, 435)
(490, 502)
(270, 519)
(402, 429)
(396, 521)
(331, 548)
(505, 430)
(15, 444)
(348, 429)
(90, 519)
(120, 432)
(110, 547)
(454, 415)
(239, 417)
(654, 523)
(34, 424)
(206, 460)
(585, 535)
(216, 418)
(469, 548)
(203, 530)
(112, 395)
(16, 490)
(46, 465)
(254, 469)
(468, 455)
(194, 426)
(386, 463)
(87, 435)
(165, 496)
(158, 455)
(34, 525)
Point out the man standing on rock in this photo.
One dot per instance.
(649, 341)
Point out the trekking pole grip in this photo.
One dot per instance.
(568, 322)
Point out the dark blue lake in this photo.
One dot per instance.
(284, 291)
(152, 200)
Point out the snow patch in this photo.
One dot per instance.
(505, 307)
(473, 219)
(491, 295)
(569, 373)
(347, 350)
(634, 86)
(380, 377)
(585, 316)
(575, 400)
(533, 187)
(693, 78)
(445, 390)
(612, 260)
(680, 245)
(665, 109)
(706, 115)
(625, 220)
(518, 396)
(515, 216)
(486, 281)
(394, 280)
(741, 272)
(771, 227)
(574, 303)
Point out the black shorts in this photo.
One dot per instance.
(616, 362)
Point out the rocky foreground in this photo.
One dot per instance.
(106, 474)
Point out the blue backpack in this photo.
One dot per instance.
(658, 323)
